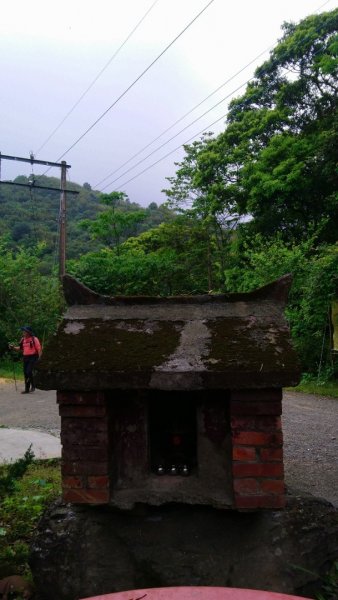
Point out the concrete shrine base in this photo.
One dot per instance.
(81, 551)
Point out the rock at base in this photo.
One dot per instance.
(81, 551)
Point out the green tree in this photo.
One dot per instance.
(172, 258)
(129, 273)
(200, 192)
(284, 129)
(185, 241)
(30, 217)
(116, 223)
(315, 283)
(276, 161)
(26, 296)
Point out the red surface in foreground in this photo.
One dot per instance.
(195, 593)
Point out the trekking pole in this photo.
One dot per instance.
(14, 375)
(13, 365)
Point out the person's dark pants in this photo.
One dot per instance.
(28, 366)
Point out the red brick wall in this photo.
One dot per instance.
(85, 447)
(257, 449)
(256, 438)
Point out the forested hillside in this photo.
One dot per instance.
(244, 207)
(30, 216)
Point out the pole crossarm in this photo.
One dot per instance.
(34, 161)
(63, 197)
(38, 187)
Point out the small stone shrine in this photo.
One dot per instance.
(174, 399)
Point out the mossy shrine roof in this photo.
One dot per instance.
(231, 341)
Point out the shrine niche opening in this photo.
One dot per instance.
(172, 435)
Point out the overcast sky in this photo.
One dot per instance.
(51, 53)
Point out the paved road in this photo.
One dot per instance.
(28, 411)
(15, 442)
(310, 425)
(30, 419)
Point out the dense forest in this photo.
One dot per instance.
(29, 216)
(246, 206)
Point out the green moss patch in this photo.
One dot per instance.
(111, 345)
(237, 344)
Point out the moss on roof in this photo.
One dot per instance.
(120, 343)
(111, 346)
(242, 344)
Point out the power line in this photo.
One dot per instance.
(180, 146)
(97, 77)
(32, 185)
(174, 136)
(136, 80)
(178, 121)
(322, 5)
(145, 147)
(191, 138)
(184, 143)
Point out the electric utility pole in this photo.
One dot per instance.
(62, 248)
(63, 199)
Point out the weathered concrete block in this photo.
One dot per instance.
(81, 551)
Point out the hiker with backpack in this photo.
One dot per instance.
(31, 350)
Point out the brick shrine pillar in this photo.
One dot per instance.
(85, 447)
(257, 449)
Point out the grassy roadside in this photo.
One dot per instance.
(329, 388)
(10, 369)
(26, 487)
(322, 385)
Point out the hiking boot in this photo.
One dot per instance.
(27, 386)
